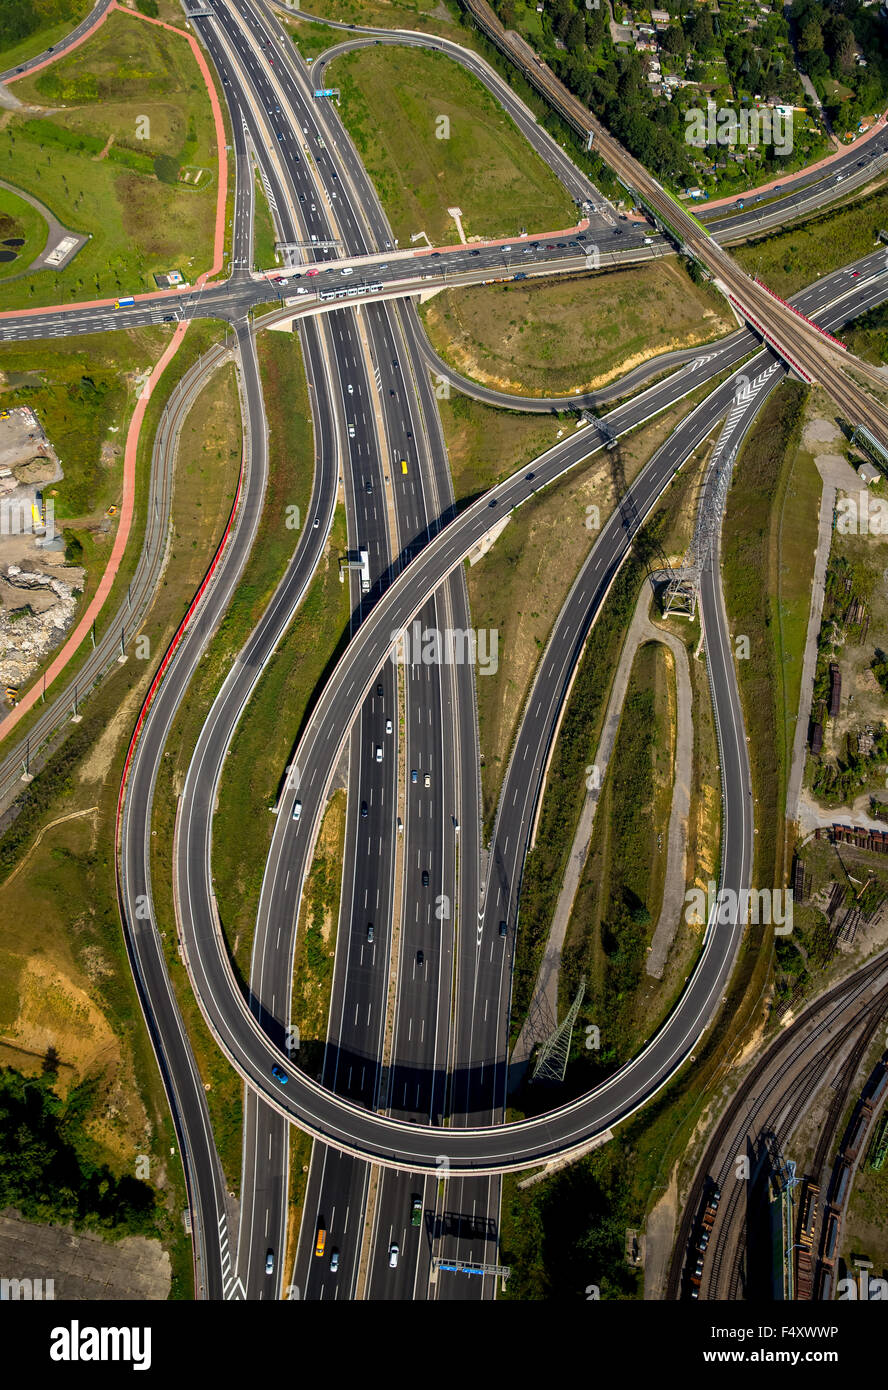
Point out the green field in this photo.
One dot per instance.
(385, 14)
(395, 100)
(29, 29)
(868, 336)
(19, 219)
(768, 543)
(618, 901)
(88, 161)
(557, 337)
(787, 261)
(83, 390)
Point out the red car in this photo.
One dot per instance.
(312, 272)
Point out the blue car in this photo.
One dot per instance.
(280, 1076)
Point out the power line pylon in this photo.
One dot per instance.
(552, 1061)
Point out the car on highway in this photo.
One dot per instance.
(369, 931)
(420, 958)
(393, 1257)
(380, 689)
(279, 1075)
(364, 810)
(316, 523)
(312, 272)
(388, 726)
(379, 752)
(414, 775)
(269, 1262)
(416, 1211)
(351, 432)
(427, 780)
(425, 878)
(169, 318)
(492, 502)
(476, 253)
(334, 1262)
(297, 809)
(350, 389)
(504, 928)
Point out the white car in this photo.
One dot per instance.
(393, 1257)
(428, 779)
(379, 752)
(388, 726)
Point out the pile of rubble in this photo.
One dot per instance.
(36, 610)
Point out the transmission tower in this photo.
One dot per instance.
(552, 1061)
(683, 587)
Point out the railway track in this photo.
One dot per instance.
(37, 746)
(787, 1050)
(798, 341)
(865, 1025)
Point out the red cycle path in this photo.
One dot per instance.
(786, 184)
(132, 439)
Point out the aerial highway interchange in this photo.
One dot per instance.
(413, 1087)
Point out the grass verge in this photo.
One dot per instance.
(453, 148)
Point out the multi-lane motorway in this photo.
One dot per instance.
(373, 406)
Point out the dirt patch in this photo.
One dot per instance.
(56, 1012)
(820, 431)
(95, 768)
